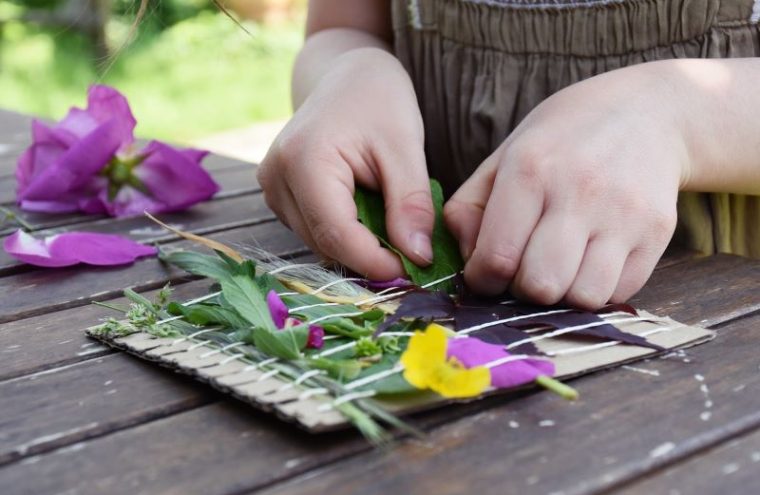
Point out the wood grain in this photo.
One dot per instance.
(65, 405)
(213, 216)
(731, 468)
(627, 423)
(607, 394)
(21, 297)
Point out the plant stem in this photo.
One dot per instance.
(559, 388)
(9, 215)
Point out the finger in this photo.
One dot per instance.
(408, 204)
(551, 259)
(598, 275)
(464, 210)
(513, 210)
(325, 200)
(636, 271)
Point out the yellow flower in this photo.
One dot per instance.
(426, 366)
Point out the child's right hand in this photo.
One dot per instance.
(361, 124)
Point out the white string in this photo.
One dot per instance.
(258, 365)
(269, 374)
(505, 359)
(351, 344)
(346, 398)
(285, 268)
(231, 358)
(374, 377)
(494, 323)
(199, 344)
(334, 282)
(221, 349)
(189, 303)
(563, 331)
(305, 376)
(192, 335)
(313, 391)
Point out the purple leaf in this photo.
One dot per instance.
(72, 248)
(578, 318)
(473, 352)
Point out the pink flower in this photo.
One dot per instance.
(72, 248)
(86, 163)
(280, 315)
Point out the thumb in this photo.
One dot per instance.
(409, 213)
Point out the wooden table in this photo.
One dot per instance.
(76, 417)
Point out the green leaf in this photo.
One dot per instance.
(446, 256)
(243, 294)
(340, 369)
(205, 314)
(199, 264)
(285, 344)
(139, 300)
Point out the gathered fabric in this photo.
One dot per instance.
(480, 66)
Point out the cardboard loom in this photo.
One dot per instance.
(225, 368)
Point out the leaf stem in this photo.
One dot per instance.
(9, 215)
(565, 391)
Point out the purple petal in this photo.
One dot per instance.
(277, 309)
(175, 177)
(71, 248)
(316, 337)
(74, 168)
(98, 249)
(105, 103)
(474, 352)
(26, 248)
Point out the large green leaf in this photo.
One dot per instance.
(206, 314)
(285, 344)
(243, 294)
(199, 264)
(446, 256)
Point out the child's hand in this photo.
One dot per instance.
(579, 203)
(360, 124)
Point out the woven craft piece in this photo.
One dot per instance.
(262, 383)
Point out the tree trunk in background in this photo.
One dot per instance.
(86, 16)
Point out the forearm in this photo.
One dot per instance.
(320, 54)
(718, 107)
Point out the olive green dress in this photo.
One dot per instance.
(480, 66)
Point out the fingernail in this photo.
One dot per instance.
(421, 246)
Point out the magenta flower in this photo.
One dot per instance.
(280, 316)
(472, 352)
(87, 163)
(72, 248)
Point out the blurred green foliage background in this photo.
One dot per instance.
(189, 72)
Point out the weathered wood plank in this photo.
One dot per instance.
(240, 465)
(213, 216)
(731, 468)
(64, 405)
(21, 295)
(712, 289)
(58, 339)
(42, 342)
(222, 448)
(627, 423)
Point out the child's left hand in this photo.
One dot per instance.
(579, 203)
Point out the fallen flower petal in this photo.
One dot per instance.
(71, 248)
